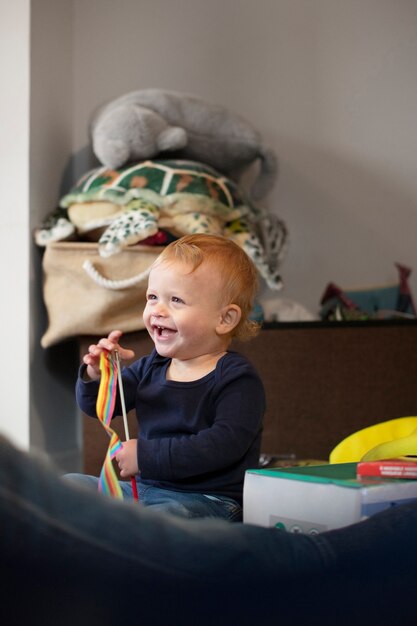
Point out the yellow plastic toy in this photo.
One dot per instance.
(390, 439)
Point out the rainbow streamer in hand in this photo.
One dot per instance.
(108, 482)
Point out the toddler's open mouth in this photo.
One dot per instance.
(163, 331)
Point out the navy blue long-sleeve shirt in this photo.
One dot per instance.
(196, 436)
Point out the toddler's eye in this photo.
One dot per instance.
(150, 296)
(177, 300)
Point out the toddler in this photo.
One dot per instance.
(199, 405)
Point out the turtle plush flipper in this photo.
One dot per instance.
(55, 227)
(241, 233)
(138, 222)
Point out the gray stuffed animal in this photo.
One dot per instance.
(142, 124)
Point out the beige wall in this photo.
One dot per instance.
(14, 251)
(331, 84)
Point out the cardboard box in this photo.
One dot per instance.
(312, 499)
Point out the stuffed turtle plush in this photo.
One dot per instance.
(155, 200)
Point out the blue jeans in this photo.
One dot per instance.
(181, 503)
(69, 556)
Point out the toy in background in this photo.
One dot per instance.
(153, 202)
(392, 301)
(143, 124)
(171, 164)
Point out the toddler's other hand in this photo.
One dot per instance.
(109, 343)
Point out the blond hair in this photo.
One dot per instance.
(237, 272)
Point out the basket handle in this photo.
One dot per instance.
(100, 280)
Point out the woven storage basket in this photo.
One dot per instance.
(86, 294)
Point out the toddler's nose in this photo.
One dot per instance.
(160, 310)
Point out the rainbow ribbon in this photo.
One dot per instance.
(108, 482)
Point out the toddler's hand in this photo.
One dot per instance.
(127, 458)
(110, 343)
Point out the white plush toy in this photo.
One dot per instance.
(143, 124)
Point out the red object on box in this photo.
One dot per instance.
(387, 468)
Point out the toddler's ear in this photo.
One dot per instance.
(230, 318)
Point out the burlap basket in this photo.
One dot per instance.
(86, 294)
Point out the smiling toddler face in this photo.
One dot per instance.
(183, 309)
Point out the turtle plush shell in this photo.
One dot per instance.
(164, 183)
(162, 177)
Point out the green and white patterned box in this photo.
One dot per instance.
(312, 499)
